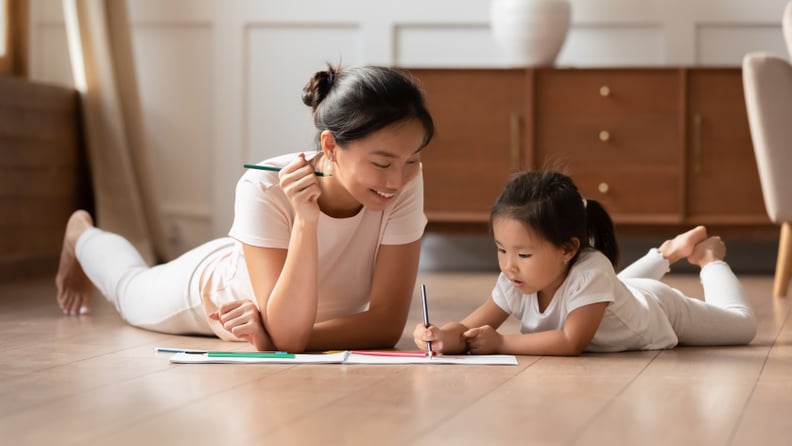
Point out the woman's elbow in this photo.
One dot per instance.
(387, 336)
(390, 339)
(291, 347)
(291, 344)
(576, 351)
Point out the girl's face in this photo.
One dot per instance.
(533, 264)
(373, 170)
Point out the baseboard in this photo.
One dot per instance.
(476, 252)
(24, 269)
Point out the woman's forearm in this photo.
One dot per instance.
(290, 310)
(365, 330)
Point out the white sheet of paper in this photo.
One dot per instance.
(320, 358)
(347, 357)
(355, 358)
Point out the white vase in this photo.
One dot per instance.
(529, 32)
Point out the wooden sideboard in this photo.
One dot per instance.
(656, 146)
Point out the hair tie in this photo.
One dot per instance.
(330, 79)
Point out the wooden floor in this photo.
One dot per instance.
(96, 381)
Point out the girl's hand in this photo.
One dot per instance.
(483, 340)
(301, 186)
(242, 319)
(422, 335)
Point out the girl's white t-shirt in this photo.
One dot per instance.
(634, 319)
(347, 247)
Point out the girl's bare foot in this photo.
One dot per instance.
(709, 250)
(683, 244)
(74, 288)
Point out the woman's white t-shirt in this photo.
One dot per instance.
(634, 319)
(347, 247)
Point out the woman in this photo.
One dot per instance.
(321, 255)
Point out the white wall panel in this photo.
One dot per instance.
(727, 44)
(173, 63)
(280, 59)
(623, 45)
(444, 46)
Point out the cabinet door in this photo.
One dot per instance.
(617, 133)
(479, 116)
(723, 180)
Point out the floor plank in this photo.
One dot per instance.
(95, 380)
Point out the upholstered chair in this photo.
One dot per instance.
(767, 80)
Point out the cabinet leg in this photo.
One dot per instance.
(784, 262)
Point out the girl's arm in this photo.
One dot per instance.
(382, 324)
(450, 337)
(579, 328)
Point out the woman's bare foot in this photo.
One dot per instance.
(74, 288)
(683, 244)
(707, 251)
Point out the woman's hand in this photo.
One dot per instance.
(299, 183)
(483, 340)
(242, 319)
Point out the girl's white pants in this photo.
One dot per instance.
(724, 317)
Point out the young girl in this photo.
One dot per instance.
(556, 253)
(321, 255)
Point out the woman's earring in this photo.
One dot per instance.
(328, 168)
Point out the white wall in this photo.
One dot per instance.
(221, 80)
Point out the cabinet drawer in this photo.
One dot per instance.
(608, 91)
(652, 139)
(632, 194)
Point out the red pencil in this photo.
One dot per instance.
(402, 354)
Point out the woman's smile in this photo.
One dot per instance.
(385, 196)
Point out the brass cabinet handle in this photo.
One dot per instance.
(514, 140)
(604, 136)
(697, 142)
(603, 187)
(604, 91)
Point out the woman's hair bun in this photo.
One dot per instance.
(319, 86)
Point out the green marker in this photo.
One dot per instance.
(273, 355)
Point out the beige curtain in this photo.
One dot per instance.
(100, 50)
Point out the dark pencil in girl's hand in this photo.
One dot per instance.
(426, 319)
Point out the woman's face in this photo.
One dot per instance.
(371, 171)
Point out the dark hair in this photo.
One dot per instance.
(354, 102)
(549, 204)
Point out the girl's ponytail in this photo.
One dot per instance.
(600, 232)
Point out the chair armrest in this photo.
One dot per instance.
(767, 81)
